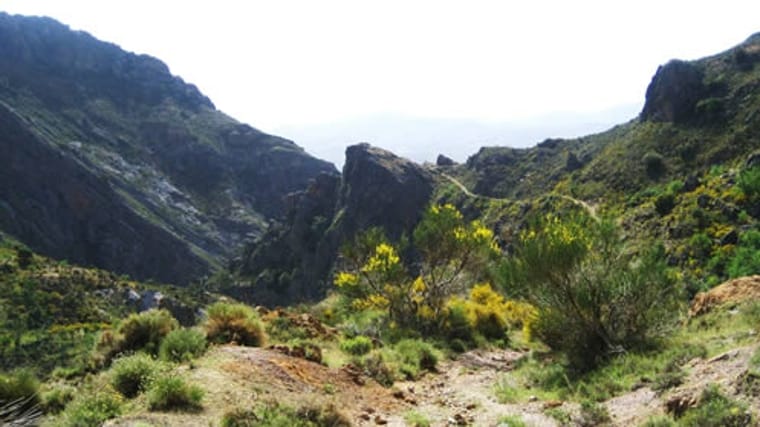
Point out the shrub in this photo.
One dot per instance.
(449, 248)
(654, 164)
(715, 409)
(240, 418)
(512, 421)
(93, 409)
(506, 392)
(664, 203)
(377, 367)
(131, 375)
(55, 399)
(701, 245)
(182, 345)
(746, 259)
(276, 415)
(416, 419)
(593, 296)
(594, 414)
(173, 393)
(486, 313)
(659, 421)
(562, 417)
(358, 346)
(415, 356)
(19, 385)
(238, 323)
(749, 183)
(325, 415)
(139, 331)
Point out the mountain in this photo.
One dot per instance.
(293, 261)
(697, 114)
(112, 161)
(669, 174)
(421, 139)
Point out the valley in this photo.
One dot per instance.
(162, 263)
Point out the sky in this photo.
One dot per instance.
(289, 64)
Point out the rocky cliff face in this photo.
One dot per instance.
(294, 261)
(673, 94)
(114, 162)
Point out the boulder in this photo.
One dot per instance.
(293, 262)
(444, 161)
(732, 291)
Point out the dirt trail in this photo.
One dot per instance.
(586, 206)
(460, 393)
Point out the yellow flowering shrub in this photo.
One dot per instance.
(489, 314)
(452, 252)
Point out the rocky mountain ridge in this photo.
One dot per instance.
(293, 261)
(114, 162)
(666, 171)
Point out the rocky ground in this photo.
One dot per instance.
(460, 393)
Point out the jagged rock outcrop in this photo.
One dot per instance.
(293, 262)
(674, 91)
(443, 160)
(380, 189)
(114, 162)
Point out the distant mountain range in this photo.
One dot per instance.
(422, 139)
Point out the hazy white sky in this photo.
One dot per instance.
(282, 63)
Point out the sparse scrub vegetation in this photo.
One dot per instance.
(416, 419)
(234, 323)
(659, 421)
(173, 393)
(376, 277)
(749, 183)
(357, 346)
(131, 375)
(93, 408)
(746, 258)
(274, 414)
(715, 409)
(138, 332)
(512, 421)
(55, 398)
(594, 414)
(594, 298)
(182, 345)
(19, 385)
(416, 356)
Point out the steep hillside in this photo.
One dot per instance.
(697, 114)
(112, 161)
(51, 312)
(684, 172)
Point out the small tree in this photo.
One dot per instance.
(594, 297)
(449, 248)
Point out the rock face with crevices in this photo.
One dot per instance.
(674, 91)
(294, 261)
(111, 161)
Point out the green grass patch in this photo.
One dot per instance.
(512, 421)
(416, 419)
